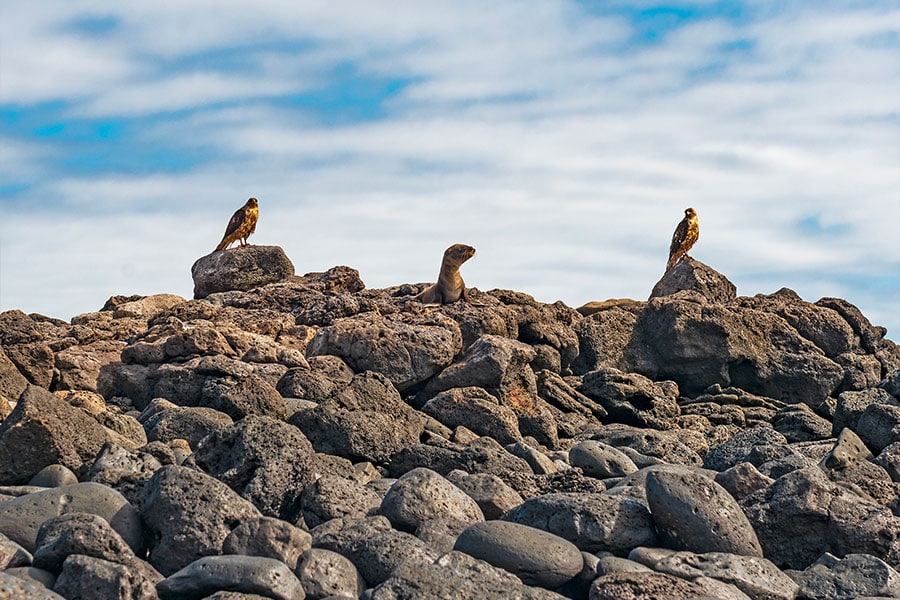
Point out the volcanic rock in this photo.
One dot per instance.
(52, 430)
(241, 269)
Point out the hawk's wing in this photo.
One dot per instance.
(679, 236)
(236, 220)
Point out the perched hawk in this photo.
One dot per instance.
(241, 225)
(685, 236)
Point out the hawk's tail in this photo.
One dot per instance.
(222, 245)
(673, 260)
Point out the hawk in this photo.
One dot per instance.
(241, 225)
(685, 236)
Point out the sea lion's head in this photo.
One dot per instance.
(457, 254)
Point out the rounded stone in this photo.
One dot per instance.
(268, 537)
(421, 495)
(247, 574)
(537, 557)
(54, 476)
(693, 512)
(324, 574)
(600, 460)
(21, 518)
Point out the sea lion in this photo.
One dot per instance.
(450, 286)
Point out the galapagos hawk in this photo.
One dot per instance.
(241, 225)
(685, 236)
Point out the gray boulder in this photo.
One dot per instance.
(12, 555)
(603, 337)
(326, 574)
(600, 460)
(270, 538)
(477, 410)
(186, 423)
(457, 575)
(12, 382)
(560, 394)
(365, 421)
(690, 274)
(663, 445)
(240, 269)
(406, 348)
(54, 476)
(31, 574)
(492, 495)
(375, 548)
(266, 461)
(539, 462)
(493, 362)
(848, 578)
(422, 495)
(325, 376)
(755, 576)
(34, 360)
(879, 426)
(501, 366)
(593, 522)
(123, 470)
(251, 395)
(339, 534)
(334, 497)
(798, 423)
(482, 455)
(12, 586)
(852, 404)
(633, 399)
(803, 515)
(742, 480)
(246, 574)
(889, 459)
(686, 338)
(692, 512)
(79, 366)
(80, 533)
(847, 450)
(21, 518)
(537, 557)
(53, 431)
(92, 577)
(188, 515)
(739, 447)
(644, 586)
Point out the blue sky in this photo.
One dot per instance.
(562, 139)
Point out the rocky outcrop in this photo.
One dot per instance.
(311, 437)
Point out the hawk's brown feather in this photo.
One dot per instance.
(241, 225)
(685, 236)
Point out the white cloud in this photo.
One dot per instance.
(563, 153)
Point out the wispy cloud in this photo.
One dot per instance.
(563, 139)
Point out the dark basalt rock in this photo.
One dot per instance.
(690, 274)
(240, 269)
(52, 431)
(188, 515)
(266, 461)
